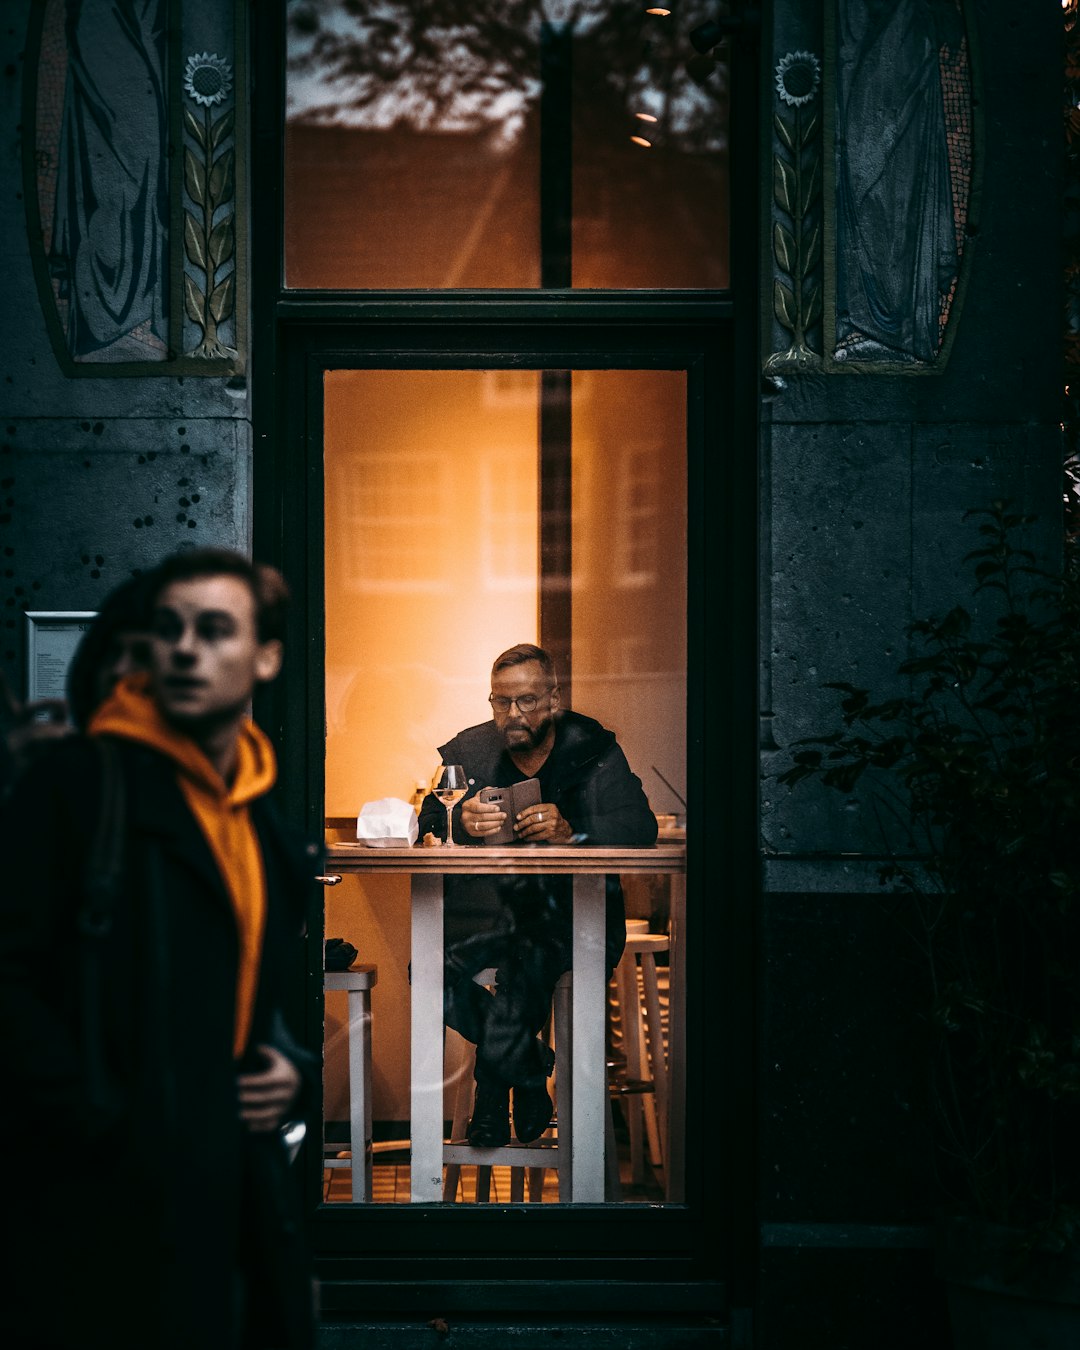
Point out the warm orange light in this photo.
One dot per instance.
(645, 117)
(640, 140)
(663, 13)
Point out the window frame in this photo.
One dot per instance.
(698, 1255)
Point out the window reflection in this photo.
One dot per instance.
(383, 495)
(637, 546)
(509, 145)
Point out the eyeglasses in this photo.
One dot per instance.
(526, 703)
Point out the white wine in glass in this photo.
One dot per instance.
(450, 785)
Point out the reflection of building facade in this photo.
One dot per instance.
(709, 551)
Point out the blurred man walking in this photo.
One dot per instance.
(149, 916)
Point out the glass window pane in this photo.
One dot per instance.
(466, 512)
(507, 144)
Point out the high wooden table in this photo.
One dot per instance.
(427, 867)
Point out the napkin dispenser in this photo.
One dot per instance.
(387, 823)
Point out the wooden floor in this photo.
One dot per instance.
(390, 1169)
(390, 1184)
(390, 1180)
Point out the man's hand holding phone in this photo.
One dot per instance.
(514, 814)
(481, 818)
(542, 824)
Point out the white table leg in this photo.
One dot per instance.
(360, 1092)
(426, 1040)
(589, 1019)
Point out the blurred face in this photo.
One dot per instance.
(205, 654)
(128, 653)
(523, 730)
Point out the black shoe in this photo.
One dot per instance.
(532, 1111)
(490, 1123)
(532, 1103)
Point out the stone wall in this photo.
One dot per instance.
(865, 481)
(101, 473)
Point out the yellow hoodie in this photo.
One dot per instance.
(221, 810)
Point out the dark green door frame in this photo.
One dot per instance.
(699, 1256)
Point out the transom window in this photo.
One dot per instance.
(529, 144)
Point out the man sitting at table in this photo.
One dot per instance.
(523, 925)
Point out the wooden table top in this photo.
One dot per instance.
(530, 859)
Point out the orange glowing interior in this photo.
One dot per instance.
(432, 508)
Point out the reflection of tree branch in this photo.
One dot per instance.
(449, 65)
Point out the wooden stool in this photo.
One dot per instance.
(523, 1159)
(357, 982)
(643, 1084)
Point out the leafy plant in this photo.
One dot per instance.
(979, 765)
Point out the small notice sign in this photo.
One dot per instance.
(51, 639)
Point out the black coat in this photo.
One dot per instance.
(586, 776)
(136, 1191)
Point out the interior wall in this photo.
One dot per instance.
(431, 571)
(431, 546)
(629, 551)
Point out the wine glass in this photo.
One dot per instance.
(450, 785)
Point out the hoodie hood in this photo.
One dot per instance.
(130, 713)
(221, 811)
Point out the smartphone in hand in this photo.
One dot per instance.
(512, 800)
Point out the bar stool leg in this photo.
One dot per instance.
(612, 1181)
(564, 1092)
(629, 1026)
(464, 1059)
(357, 983)
(649, 1105)
(656, 1048)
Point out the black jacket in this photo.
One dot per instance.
(587, 777)
(145, 1197)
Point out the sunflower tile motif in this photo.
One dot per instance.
(209, 180)
(797, 294)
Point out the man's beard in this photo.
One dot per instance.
(535, 735)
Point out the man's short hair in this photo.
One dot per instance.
(526, 651)
(266, 584)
